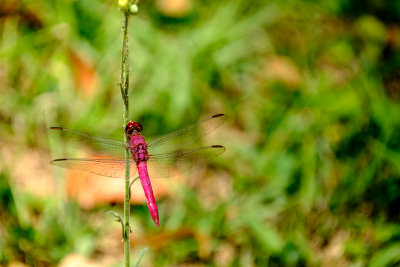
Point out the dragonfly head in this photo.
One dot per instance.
(133, 128)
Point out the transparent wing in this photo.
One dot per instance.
(110, 167)
(168, 164)
(186, 136)
(159, 165)
(108, 146)
(162, 162)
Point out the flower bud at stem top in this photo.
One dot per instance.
(123, 4)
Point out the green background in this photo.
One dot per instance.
(311, 175)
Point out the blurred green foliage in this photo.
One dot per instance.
(312, 88)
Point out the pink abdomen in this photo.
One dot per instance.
(148, 191)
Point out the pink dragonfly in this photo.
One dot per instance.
(159, 157)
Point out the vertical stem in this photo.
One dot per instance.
(124, 85)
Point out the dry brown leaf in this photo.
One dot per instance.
(16, 264)
(92, 190)
(282, 69)
(86, 77)
(76, 260)
(175, 8)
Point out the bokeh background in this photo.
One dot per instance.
(311, 175)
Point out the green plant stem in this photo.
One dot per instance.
(124, 86)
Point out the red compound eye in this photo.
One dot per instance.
(131, 126)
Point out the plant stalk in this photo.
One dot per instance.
(124, 86)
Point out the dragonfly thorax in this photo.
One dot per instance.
(138, 148)
(140, 153)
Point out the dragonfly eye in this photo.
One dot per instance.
(138, 127)
(131, 126)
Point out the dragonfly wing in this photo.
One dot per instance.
(186, 136)
(168, 164)
(110, 167)
(108, 146)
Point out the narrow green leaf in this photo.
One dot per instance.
(140, 257)
(386, 256)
